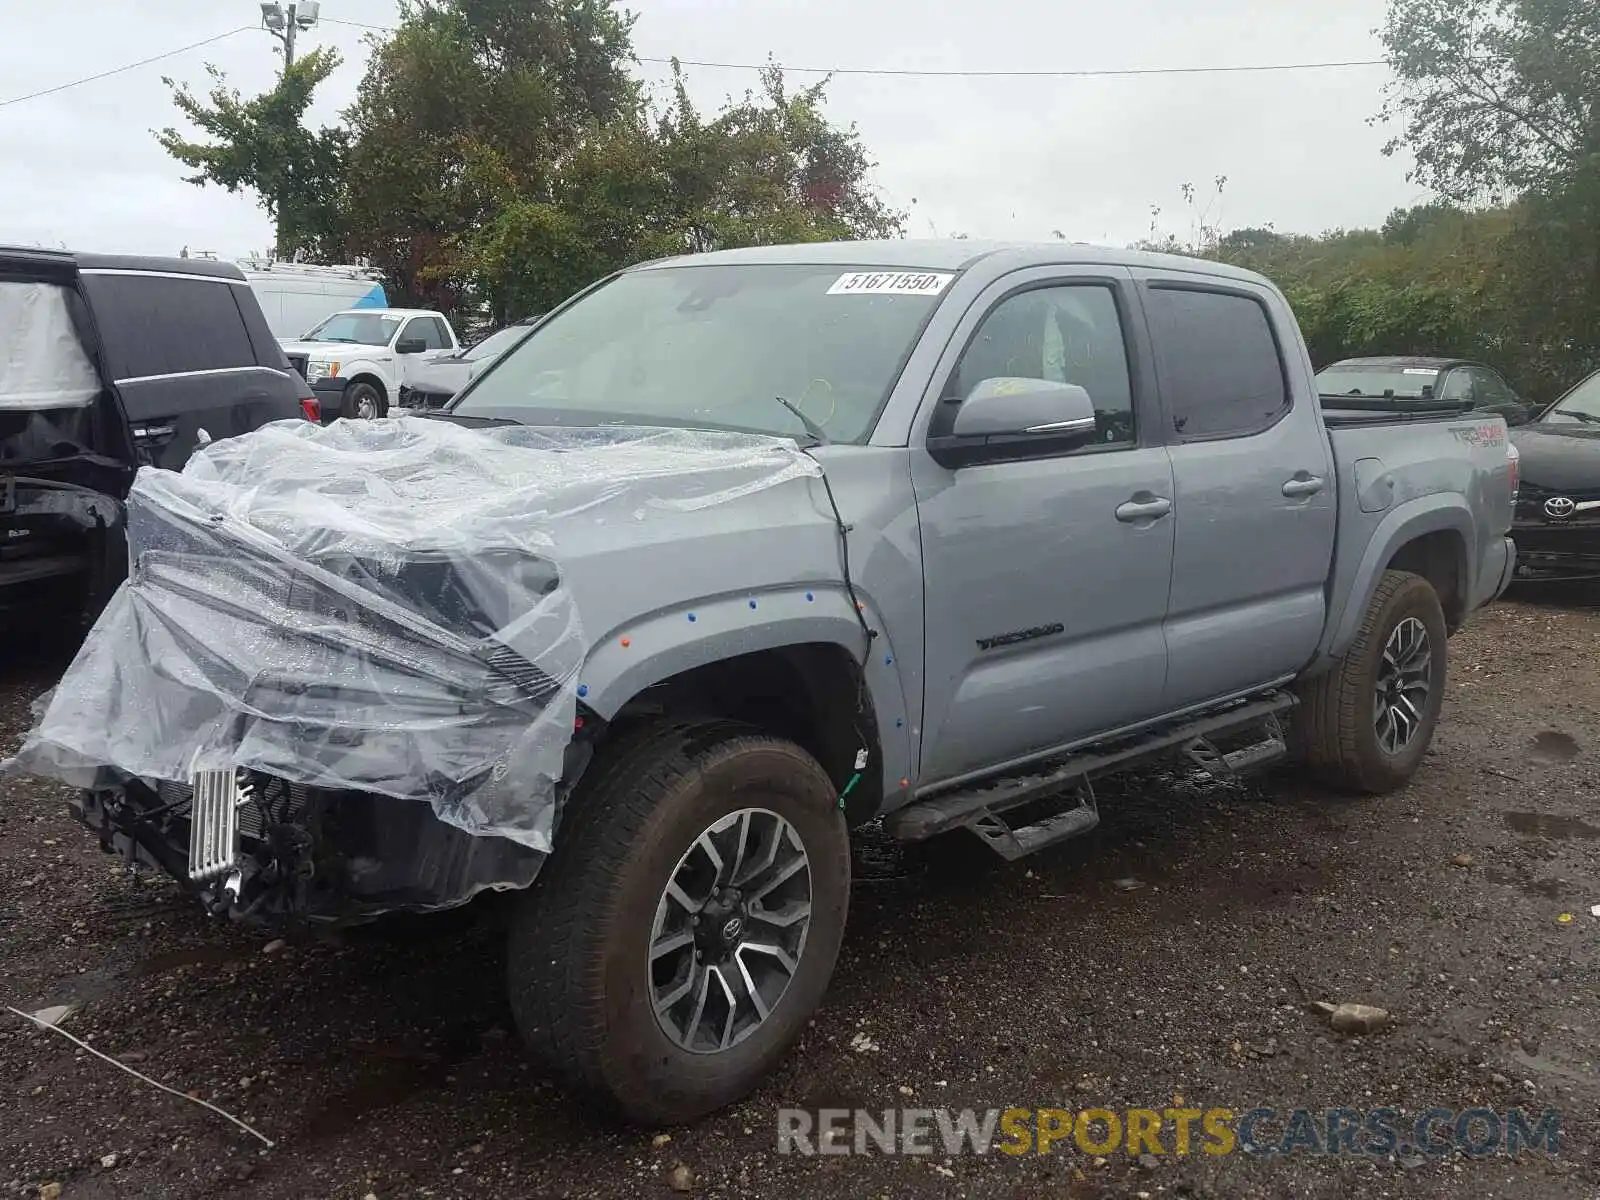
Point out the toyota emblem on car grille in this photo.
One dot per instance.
(1559, 508)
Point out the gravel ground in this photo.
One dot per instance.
(380, 1061)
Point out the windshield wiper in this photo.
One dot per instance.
(812, 427)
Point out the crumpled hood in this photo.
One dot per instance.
(403, 607)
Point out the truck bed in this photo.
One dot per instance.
(1418, 465)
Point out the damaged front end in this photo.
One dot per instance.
(265, 852)
(342, 675)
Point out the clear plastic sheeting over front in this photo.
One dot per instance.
(375, 605)
(42, 362)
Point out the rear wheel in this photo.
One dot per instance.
(1366, 725)
(688, 922)
(362, 402)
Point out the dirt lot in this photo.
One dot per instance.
(380, 1061)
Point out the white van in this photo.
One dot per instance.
(297, 297)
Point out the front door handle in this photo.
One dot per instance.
(1306, 485)
(1143, 508)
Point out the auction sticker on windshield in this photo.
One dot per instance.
(890, 283)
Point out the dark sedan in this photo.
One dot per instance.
(1557, 527)
(1424, 379)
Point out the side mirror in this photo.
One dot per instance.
(1016, 418)
(410, 346)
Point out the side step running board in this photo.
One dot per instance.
(1272, 746)
(1011, 844)
(924, 819)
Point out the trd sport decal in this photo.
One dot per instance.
(1021, 635)
(1479, 435)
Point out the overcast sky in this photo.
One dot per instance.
(988, 157)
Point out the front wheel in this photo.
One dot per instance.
(1365, 725)
(362, 402)
(688, 922)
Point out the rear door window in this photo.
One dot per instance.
(268, 352)
(1221, 373)
(165, 325)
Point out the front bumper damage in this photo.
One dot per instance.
(266, 853)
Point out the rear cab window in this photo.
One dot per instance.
(1218, 361)
(156, 325)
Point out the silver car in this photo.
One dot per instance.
(433, 383)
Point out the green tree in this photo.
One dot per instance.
(768, 168)
(263, 145)
(470, 107)
(1500, 99)
(1496, 97)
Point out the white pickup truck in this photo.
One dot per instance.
(356, 361)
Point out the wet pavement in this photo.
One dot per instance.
(1176, 952)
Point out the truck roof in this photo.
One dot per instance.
(950, 254)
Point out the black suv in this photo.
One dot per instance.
(109, 363)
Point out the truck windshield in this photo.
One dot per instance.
(1579, 406)
(363, 329)
(1377, 382)
(714, 347)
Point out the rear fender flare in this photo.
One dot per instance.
(1411, 520)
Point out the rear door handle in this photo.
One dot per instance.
(1308, 485)
(1144, 509)
(154, 432)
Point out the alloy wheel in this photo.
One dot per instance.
(730, 930)
(1405, 679)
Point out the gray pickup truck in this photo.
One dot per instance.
(1074, 510)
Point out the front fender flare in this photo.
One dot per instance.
(651, 649)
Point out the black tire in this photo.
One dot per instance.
(578, 961)
(1335, 727)
(362, 399)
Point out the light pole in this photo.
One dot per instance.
(283, 23)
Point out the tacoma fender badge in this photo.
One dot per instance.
(1021, 635)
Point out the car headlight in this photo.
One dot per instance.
(321, 368)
